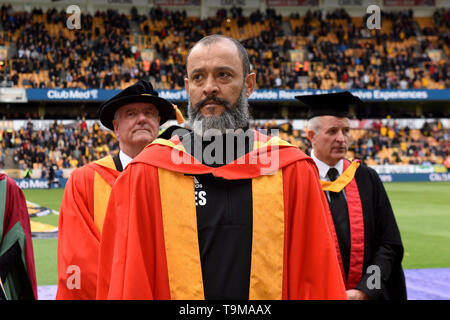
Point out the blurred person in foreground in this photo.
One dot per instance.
(134, 115)
(369, 245)
(219, 212)
(17, 267)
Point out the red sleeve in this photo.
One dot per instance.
(132, 250)
(16, 210)
(311, 269)
(78, 238)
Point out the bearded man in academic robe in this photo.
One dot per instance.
(219, 212)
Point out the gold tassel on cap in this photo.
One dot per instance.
(179, 115)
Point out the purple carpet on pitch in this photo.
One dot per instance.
(47, 292)
(428, 284)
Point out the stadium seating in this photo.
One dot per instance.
(336, 47)
(331, 52)
(78, 144)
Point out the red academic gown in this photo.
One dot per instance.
(16, 246)
(80, 228)
(149, 248)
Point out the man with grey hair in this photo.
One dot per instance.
(134, 114)
(220, 212)
(369, 245)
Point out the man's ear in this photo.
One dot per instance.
(116, 128)
(310, 134)
(250, 83)
(186, 85)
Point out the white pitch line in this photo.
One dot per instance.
(38, 205)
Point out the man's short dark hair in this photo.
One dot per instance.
(208, 40)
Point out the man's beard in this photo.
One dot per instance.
(232, 118)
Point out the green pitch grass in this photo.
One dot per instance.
(45, 249)
(45, 261)
(422, 211)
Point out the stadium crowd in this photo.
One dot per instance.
(332, 51)
(59, 146)
(74, 145)
(389, 144)
(336, 50)
(382, 143)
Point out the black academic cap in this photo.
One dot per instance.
(141, 91)
(330, 104)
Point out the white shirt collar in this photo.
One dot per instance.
(323, 167)
(124, 159)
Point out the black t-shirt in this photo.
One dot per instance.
(224, 218)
